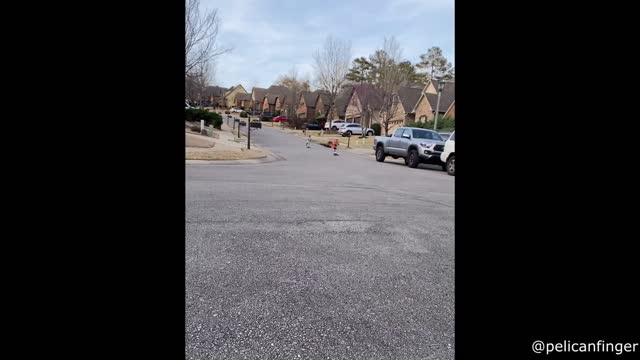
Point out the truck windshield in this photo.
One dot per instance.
(424, 134)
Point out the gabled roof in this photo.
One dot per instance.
(215, 91)
(243, 96)
(409, 98)
(452, 106)
(233, 88)
(324, 95)
(368, 95)
(310, 98)
(277, 90)
(447, 97)
(271, 98)
(259, 93)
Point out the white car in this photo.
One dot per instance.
(448, 155)
(354, 129)
(334, 124)
(235, 110)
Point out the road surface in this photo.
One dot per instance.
(318, 257)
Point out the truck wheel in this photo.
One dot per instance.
(414, 160)
(451, 165)
(369, 133)
(334, 128)
(380, 154)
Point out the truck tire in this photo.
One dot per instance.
(413, 159)
(369, 133)
(334, 128)
(380, 153)
(451, 165)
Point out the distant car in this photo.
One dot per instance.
(266, 116)
(334, 124)
(235, 110)
(445, 135)
(448, 155)
(354, 129)
(313, 126)
(280, 118)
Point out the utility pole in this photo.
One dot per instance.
(440, 88)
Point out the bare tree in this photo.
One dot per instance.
(296, 86)
(200, 34)
(196, 83)
(331, 66)
(389, 75)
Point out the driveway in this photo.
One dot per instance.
(318, 256)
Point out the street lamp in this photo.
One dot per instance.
(440, 88)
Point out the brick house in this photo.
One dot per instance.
(451, 111)
(340, 104)
(243, 101)
(425, 108)
(230, 96)
(257, 97)
(364, 104)
(306, 108)
(270, 101)
(214, 95)
(403, 105)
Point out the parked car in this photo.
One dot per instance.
(445, 135)
(312, 126)
(235, 110)
(415, 145)
(280, 118)
(266, 116)
(448, 156)
(334, 124)
(354, 129)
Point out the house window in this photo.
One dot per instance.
(423, 118)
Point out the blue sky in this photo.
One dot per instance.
(270, 37)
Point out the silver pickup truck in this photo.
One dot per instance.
(415, 145)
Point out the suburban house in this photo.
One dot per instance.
(243, 100)
(403, 105)
(257, 96)
(230, 96)
(451, 111)
(214, 95)
(270, 98)
(306, 108)
(322, 105)
(364, 104)
(425, 108)
(269, 103)
(340, 104)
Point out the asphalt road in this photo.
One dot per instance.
(318, 257)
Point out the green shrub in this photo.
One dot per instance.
(244, 114)
(377, 129)
(446, 123)
(195, 115)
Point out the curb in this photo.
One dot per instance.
(269, 158)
